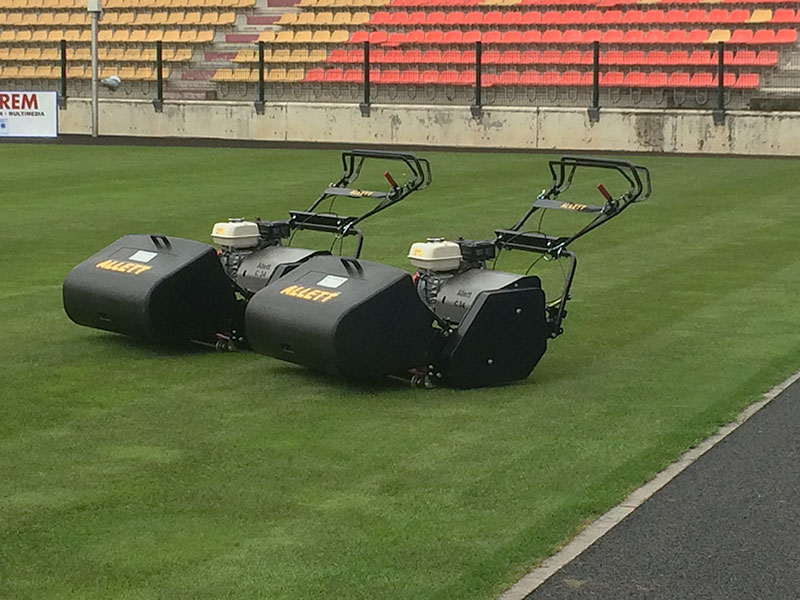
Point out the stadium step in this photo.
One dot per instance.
(261, 19)
(241, 38)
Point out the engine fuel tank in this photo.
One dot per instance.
(349, 317)
(152, 287)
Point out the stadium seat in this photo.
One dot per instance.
(678, 79)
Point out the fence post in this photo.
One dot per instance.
(365, 103)
(259, 104)
(719, 112)
(62, 94)
(476, 108)
(158, 103)
(594, 109)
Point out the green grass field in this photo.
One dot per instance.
(135, 472)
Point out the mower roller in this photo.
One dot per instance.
(169, 289)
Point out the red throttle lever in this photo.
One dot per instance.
(390, 179)
(604, 191)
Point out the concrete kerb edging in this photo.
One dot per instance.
(609, 520)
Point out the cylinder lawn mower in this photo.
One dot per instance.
(474, 325)
(169, 289)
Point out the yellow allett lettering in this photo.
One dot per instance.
(310, 294)
(123, 267)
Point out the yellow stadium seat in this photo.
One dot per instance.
(287, 18)
(13, 18)
(159, 18)
(172, 36)
(127, 73)
(222, 75)
(155, 35)
(205, 36)
(188, 36)
(325, 3)
(359, 18)
(145, 74)
(277, 74)
(5, 52)
(125, 18)
(760, 15)
(305, 18)
(27, 72)
(342, 18)
(8, 72)
(323, 18)
(48, 72)
(192, 18)
(299, 55)
(33, 54)
(209, 17)
(78, 72)
(241, 74)
(50, 54)
(267, 36)
(302, 37)
(280, 55)
(115, 54)
(46, 19)
(719, 35)
(306, 3)
(284, 37)
(340, 36)
(39, 35)
(23, 36)
(104, 35)
(61, 18)
(317, 56)
(8, 35)
(17, 54)
(343, 3)
(122, 36)
(227, 18)
(321, 36)
(175, 18)
(29, 19)
(295, 74)
(109, 18)
(245, 55)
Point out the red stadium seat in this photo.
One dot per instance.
(572, 57)
(415, 36)
(675, 16)
(531, 17)
(529, 57)
(336, 56)
(767, 58)
(409, 77)
(784, 15)
(697, 36)
(436, 18)
(529, 77)
(315, 75)
(612, 17)
(551, 17)
(492, 37)
(592, 17)
(550, 57)
(508, 78)
(571, 17)
(412, 56)
(612, 57)
(334, 75)
(550, 78)
(786, 36)
(531, 36)
(653, 16)
(378, 37)
(513, 36)
(434, 36)
(719, 16)
(473, 18)
(493, 17)
(697, 15)
(655, 36)
(381, 17)
(355, 56)
(417, 19)
(511, 18)
(453, 37)
(635, 79)
(511, 57)
(678, 79)
(551, 36)
(656, 79)
(466, 78)
(701, 57)
(680, 57)
(398, 18)
(701, 80)
(738, 16)
(656, 57)
(468, 57)
(470, 37)
(632, 17)
(591, 35)
(449, 77)
(634, 57)
(452, 57)
(573, 78)
(676, 36)
(612, 79)
(359, 37)
(389, 76)
(430, 76)
(491, 57)
(633, 36)
(571, 36)
(747, 81)
(612, 36)
(741, 36)
(455, 18)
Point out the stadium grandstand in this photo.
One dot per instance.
(531, 52)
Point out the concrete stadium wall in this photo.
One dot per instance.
(685, 131)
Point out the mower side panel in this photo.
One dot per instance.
(145, 287)
(500, 340)
(352, 318)
(257, 269)
(457, 295)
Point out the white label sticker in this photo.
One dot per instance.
(143, 256)
(332, 281)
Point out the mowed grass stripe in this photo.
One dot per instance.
(140, 472)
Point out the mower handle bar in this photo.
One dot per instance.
(353, 162)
